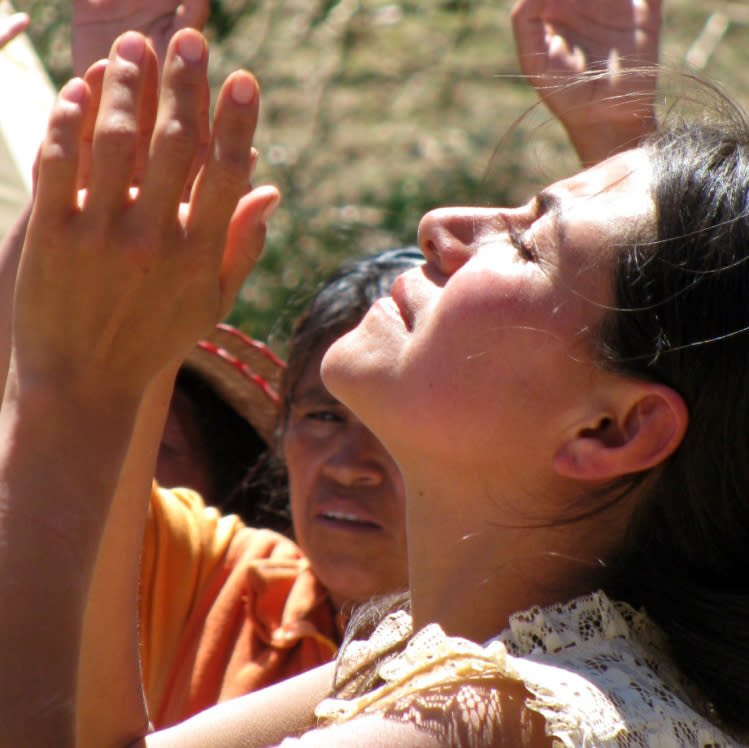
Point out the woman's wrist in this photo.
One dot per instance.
(596, 141)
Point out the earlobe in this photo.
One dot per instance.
(644, 434)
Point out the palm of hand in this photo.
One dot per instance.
(560, 42)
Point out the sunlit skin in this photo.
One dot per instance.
(478, 372)
(347, 496)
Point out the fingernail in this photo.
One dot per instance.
(131, 47)
(270, 208)
(190, 47)
(74, 91)
(242, 89)
(98, 64)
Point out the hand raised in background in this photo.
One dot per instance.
(12, 26)
(97, 23)
(560, 42)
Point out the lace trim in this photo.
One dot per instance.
(598, 673)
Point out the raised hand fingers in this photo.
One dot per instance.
(244, 241)
(12, 26)
(59, 156)
(129, 90)
(94, 79)
(226, 173)
(181, 128)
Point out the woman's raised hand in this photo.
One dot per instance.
(96, 23)
(116, 283)
(12, 26)
(560, 41)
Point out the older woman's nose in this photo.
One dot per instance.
(359, 459)
(448, 236)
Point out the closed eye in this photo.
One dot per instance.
(518, 239)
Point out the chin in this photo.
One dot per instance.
(343, 368)
(359, 369)
(333, 366)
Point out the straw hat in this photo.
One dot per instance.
(243, 372)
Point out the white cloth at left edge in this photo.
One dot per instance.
(598, 673)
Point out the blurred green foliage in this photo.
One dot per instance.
(374, 112)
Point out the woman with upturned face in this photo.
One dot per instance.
(224, 608)
(572, 557)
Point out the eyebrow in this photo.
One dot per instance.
(548, 202)
(315, 394)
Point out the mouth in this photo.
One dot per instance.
(347, 520)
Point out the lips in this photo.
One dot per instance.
(347, 521)
(346, 514)
(398, 293)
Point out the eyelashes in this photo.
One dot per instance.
(526, 250)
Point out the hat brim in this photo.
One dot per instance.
(244, 373)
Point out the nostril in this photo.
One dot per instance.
(448, 236)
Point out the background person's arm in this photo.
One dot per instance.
(594, 65)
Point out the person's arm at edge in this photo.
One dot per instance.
(49, 493)
(10, 255)
(36, 466)
(261, 718)
(114, 586)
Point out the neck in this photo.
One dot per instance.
(477, 555)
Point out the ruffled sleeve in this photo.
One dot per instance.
(598, 674)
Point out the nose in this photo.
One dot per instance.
(448, 236)
(359, 461)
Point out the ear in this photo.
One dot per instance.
(645, 430)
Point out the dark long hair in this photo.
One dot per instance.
(682, 319)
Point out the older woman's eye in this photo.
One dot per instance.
(526, 249)
(324, 415)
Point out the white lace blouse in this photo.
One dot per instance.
(597, 672)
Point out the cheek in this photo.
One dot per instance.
(298, 467)
(480, 327)
(305, 455)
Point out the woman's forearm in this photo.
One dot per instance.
(47, 555)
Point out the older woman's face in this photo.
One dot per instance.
(347, 496)
(483, 356)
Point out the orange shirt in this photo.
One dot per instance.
(224, 608)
